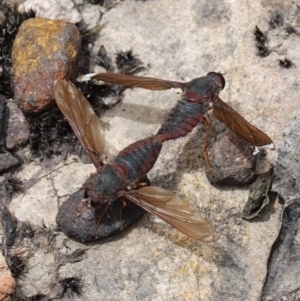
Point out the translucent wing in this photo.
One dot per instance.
(82, 118)
(148, 83)
(239, 125)
(177, 212)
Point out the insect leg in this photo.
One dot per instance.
(124, 203)
(100, 219)
(85, 204)
(142, 183)
(207, 123)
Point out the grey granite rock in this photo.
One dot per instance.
(286, 181)
(53, 9)
(282, 281)
(7, 161)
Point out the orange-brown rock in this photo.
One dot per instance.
(7, 282)
(43, 49)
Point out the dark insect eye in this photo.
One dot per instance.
(94, 201)
(217, 77)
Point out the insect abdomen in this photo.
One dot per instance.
(139, 157)
(181, 120)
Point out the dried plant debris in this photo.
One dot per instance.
(290, 30)
(106, 60)
(103, 59)
(102, 95)
(14, 230)
(2, 115)
(259, 36)
(262, 50)
(88, 38)
(96, 94)
(16, 264)
(38, 297)
(261, 42)
(69, 287)
(276, 20)
(88, 35)
(75, 256)
(128, 63)
(282, 26)
(9, 186)
(50, 134)
(286, 63)
(258, 195)
(13, 184)
(9, 26)
(10, 226)
(283, 278)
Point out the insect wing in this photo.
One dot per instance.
(177, 212)
(82, 118)
(126, 80)
(239, 125)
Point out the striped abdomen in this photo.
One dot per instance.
(181, 120)
(139, 157)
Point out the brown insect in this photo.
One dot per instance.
(199, 96)
(121, 178)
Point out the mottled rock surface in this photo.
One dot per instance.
(7, 161)
(151, 260)
(43, 49)
(231, 161)
(286, 180)
(282, 282)
(53, 9)
(2, 114)
(284, 270)
(17, 129)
